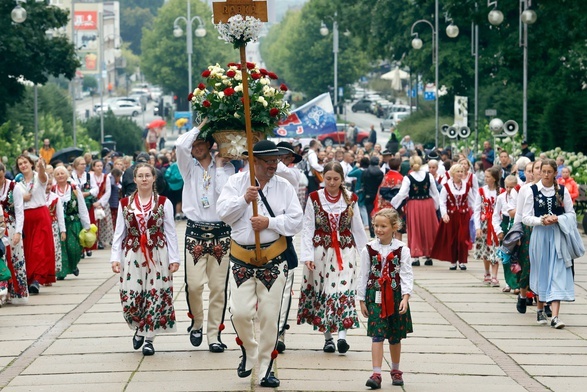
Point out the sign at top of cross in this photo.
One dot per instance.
(225, 9)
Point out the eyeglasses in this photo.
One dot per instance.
(270, 161)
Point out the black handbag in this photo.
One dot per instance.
(290, 252)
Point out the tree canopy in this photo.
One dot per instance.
(27, 51)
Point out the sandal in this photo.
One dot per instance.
(516, 291)
(506, 289)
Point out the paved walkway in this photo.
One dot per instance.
(468, 337)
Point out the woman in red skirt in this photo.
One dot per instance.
(419, 187)
(37, 233)
(457, 201)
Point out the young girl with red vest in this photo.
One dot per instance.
(486, 242)
(385, 284)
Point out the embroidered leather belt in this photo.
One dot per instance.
(248, 254)
(207, 230)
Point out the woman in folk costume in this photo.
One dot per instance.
(332, 235)
(76, 217)
(145, 253)
(486, 241)
(11, 199)
(419, 187)
(57, 222)
(86, 183)
(457, 200)
(37, 236)
(105, 229)
(548, 208)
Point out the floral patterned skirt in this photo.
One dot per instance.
(327, 297)
(483, 251)
(146, 293)
(395, 327)
(17, 286)
(57, 242)
(106, 228)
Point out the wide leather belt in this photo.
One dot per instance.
(249, 256)
(207, 230)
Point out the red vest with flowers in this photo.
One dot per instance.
(156, 234)
(323, 234)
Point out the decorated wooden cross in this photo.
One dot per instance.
(223, 11)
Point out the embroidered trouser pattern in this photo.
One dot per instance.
(257, 292)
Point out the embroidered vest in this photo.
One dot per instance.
(552, 205)
(323, 234)
(154, 227)
(457, 204)
(8, 203)
(393, 268)
(53, 209)
(419, 190)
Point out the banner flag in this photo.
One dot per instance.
(312, 119)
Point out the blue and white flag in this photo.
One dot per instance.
(312, 119)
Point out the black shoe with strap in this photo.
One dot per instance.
(148, 348)
(329, 346)
(342, 346)
(137, 341)
(196, 337)
(216, 348)
(241, 371)
(270, 381)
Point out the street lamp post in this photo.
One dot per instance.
(527, 17)
(324, 33)
(178, 32)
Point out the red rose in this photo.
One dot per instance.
(243, 100)
(231, 73)
(228, 91)
(206, 73)
(256, 76)
(250, 65)
(263, 71)
(162, 320)
(206, 104)
(274, 112)
(317, 320)
(347, 323)
(271, 75)
(283, 87)
(190, 96)
(233, 64)
(202, 86)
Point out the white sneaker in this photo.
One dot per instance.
(556, 323)
(3, 296)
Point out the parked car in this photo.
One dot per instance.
(122, 108)
(156, 93)
(339, 137)
(115, 100)
(392, 119)
(362, 105)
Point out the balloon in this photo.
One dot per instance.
(93, 228)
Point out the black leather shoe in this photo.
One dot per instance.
(463, 267)
(530, 301)
(329, 346)
(415, 263)
(34, 288)
(428, 261)
(453, 267)
(521, 305)
(270, 382)
(216, 348)
(100, 246)
(137, 341)
(148, 348)
(89, 253)
(342, 346)
(76, 272)
(196, 337)
(241, 372)
(280, 346)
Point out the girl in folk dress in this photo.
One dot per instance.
(486, 242)
(145, 253)
(37, 235)
(385, 286)
(105, 230)
(57, 222)
(76, 217)
(11, 199)
(546, 205)
(86, 183)
(420, 189)
(333, 231)
(457, 201)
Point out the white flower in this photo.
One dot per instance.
(264, 81)
(239, 31)
(236, 115)
(263, 101)
(238, 88)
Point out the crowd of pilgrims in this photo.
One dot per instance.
(518, 221)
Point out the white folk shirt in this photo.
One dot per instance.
(81, 181)
(313, 162)
(199, 183)
(528, 217)
(18, 203)
(406, 273)
(292, 174)
(168, 229)
(65, 197)
(104, 200)
(471, 197)
(357, 226)
(404, 190)
(236, 212)
(519, 202)
(37, 189)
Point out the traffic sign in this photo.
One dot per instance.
(491, 112)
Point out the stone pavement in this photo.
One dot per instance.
(468, 337)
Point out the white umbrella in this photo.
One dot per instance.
(396, 76)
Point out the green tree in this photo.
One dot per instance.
(126, 133)
(28, 52)
(136, 19)
(164, 56)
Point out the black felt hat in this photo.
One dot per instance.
(265, 148)
(289, 149)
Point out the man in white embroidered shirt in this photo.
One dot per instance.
(207, 238)
(259, 282)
